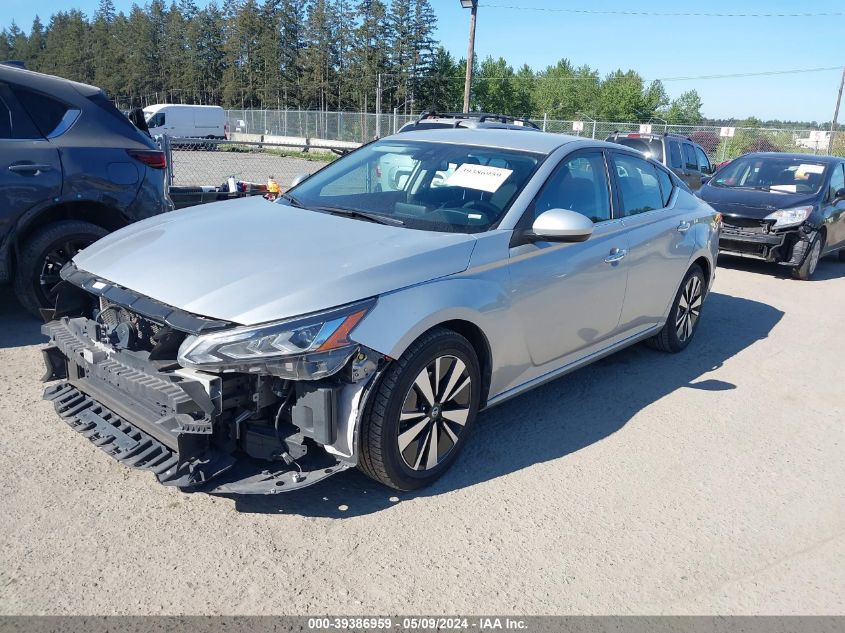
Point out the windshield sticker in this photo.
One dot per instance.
(804, 170)
(479, 177)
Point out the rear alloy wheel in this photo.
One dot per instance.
(684, 316)
(421, 412)
(811, 261)
(44, 254)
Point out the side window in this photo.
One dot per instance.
(837, 180)
(44, 111)
(638, 184)
(579, 184)
(703, 161)
(665, 185)
(157, 120)
(5, 120)
(675, 160)
(690, 159)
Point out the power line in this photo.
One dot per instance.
(669, 14)
(764, 73)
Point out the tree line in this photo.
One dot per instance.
(316, 54)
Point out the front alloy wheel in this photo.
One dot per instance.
(421, 411)
(434, 413)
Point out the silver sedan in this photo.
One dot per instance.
(367, 317)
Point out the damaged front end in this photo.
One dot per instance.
(766, 239)
(207, 404)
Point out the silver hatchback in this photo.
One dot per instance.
(368, 316)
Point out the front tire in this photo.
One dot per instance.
(685, 314)
(811, 261)
(44, 254)
(422, 411)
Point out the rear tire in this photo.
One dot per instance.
(811, 260)
(421, 412)
(44, 254)
(685, 315)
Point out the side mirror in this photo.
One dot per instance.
(562, 225)
(840, 195)
(705, 179)
(298, 179)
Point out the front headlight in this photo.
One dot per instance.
(789, 217)
(304, 348)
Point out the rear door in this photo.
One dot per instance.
(675, 158)
(30, 167)
(660, 236)
(692, 170)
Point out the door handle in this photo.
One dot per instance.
(684, 226)
(25, 167)
(616, 255)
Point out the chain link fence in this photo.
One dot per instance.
(211, 163)
(285, 143)
(362, 127)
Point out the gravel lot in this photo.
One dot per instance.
(708, 482)
(213, 168)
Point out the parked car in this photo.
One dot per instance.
(72, 168)
(684, 157)
(348, 325)
(476, 120)
(783, 208)
(187, 121)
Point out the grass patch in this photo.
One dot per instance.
(319, 157)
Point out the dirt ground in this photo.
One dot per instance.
(702, 483)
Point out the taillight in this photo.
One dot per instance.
(633, 136)
(150, 157)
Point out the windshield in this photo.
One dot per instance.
(779, 174)
(421, 185)
(652, 148)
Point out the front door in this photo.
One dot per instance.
(569, 296)
(836, 213)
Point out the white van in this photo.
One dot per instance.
(186, 121)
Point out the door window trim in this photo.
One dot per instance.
(19, 117)
(616, 186)
(529, 209)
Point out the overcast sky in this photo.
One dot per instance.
(658, 47)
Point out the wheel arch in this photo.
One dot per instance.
(99, 213)
(476, 337)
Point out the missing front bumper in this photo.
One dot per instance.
(167, 423)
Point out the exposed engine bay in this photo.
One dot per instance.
(114, 375)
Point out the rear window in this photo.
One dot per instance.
(44, 111)
(652, 148)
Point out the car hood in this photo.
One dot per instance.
(751, 203)
(251, 261)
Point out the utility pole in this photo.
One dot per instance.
(473, 5)
(836, 114)
(378, 107)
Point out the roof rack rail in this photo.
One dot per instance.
(481, 116)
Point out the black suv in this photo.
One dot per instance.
(684, 157)
(441, 120)
(72, 169)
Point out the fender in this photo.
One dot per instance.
(482, 300)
